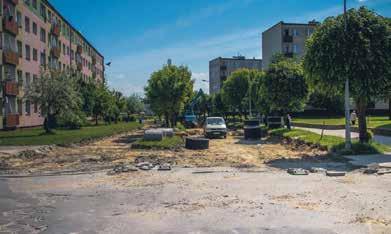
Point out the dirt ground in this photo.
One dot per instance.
(232, 152)
(236, 186)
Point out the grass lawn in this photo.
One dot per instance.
(37, 136)
(373, 121)
(166, 143)
(332, 142)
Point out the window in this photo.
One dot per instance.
(27, 2)
(20, 106)
(28, 80)
(43, 59)
(68, 50)
(63, 49)
(35, 54)
(28, 55)
(34, 4)
(295, 32)
(295, 48)
(20, 49)
(19, 19)
(27, 24)
(43, 35)
(28, 107)
(43, 11)
(35, 31)
(20, 77)
(35, 107)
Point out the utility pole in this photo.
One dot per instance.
(348, 140)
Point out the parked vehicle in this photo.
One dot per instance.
(215, 127)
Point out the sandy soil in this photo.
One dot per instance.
(233, 151)
(226, 200)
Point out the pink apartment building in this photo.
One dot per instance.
(34, 36)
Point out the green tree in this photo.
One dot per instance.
(168, 90)
(120, 104)
(87, 90)
(235, 89)
(361, 54)
(218, 106)
(134, 104)
(327, 99)
(103, 104)
(283, 88)
(56, 94)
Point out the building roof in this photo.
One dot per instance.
(310, 23)
(237, 58)
(71, 26)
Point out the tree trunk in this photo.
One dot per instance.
(166, 119)
(96, 120)
(362, 121)
(46, 125)
(389, 108)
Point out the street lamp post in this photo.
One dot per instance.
(348, 140)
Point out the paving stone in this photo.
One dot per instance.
(298, 171)
(335, 173)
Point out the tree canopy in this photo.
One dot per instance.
(360, 54)
(168, 90)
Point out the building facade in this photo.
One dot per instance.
(285, 38)
(34, 36)
(221, 68)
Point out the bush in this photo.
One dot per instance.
(71, 120)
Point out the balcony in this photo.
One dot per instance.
(11, 88)
(56, 52)
(11, 121)
(79, 49)
(11, 57)
(14, 2)
(56, 30)
(10, 26)
(288, 54)
(287, 39)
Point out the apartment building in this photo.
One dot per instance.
(35, 36)
(221, 68)
(285, 38)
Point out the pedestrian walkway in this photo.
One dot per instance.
(385, 140)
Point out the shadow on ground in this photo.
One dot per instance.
(308, 162)
(128, 139)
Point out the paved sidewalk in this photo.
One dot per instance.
(341, 133)
(366, 160)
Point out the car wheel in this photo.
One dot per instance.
(196, 143)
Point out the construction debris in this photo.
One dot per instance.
(121, 168)
(317, 170)
(335, 173)
(165, 167)
(298, 171)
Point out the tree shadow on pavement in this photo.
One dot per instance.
(308, 162)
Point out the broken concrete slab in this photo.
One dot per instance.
(335, 173)
(317, 170)
(297, 171)
(165, 167)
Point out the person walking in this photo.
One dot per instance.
(353, 117)
(288, 122)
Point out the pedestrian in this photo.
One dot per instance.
(353, 117)
(288, 122)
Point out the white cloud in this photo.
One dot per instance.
(200, 83)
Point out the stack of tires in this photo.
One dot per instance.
(196, 143)
(252, 130)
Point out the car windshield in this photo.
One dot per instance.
(216, 121)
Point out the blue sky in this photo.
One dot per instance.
(139, 36)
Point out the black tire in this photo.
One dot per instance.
(253, 122)
(197, 143)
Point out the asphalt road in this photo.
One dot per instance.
(181, 201)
